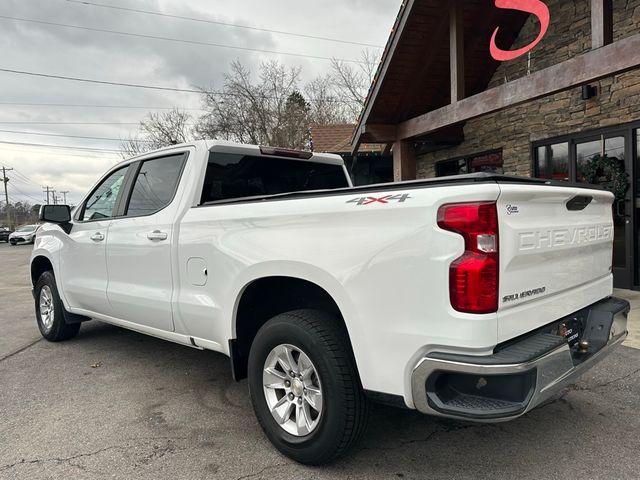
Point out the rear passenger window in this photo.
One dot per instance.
(155, 185)
(232, 176)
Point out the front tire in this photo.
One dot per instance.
(305, 387)
(50, 311)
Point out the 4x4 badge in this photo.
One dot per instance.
(400, 198)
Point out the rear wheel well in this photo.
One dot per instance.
(39, 265)
(264, 299)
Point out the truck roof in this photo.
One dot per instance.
(223, 146)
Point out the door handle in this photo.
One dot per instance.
(157, 235)
(97, 237)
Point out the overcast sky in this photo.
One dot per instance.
(73, 52)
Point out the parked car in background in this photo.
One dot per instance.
(4, 234)
(24, 234)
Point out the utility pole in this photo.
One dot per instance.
(64, 194)
(47, 189)
(55, 199)
(5, 180)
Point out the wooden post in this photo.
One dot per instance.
(404, 161)
(456, 49)
(601, 23)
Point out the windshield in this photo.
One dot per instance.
(27, 228)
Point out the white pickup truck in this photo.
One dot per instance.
(474, 297)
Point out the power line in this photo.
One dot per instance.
(60, 146)
(27, 179)
(132, 85)
(72, 123)
(102, 82)
(96, 155)
(178, 40)
(72, 136)
(25, 194)
(225, 24)
(78, 105)
(22, 181)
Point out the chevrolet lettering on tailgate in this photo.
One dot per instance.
(564, 237)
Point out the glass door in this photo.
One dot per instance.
(607, 160)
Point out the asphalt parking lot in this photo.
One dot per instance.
(116, 404)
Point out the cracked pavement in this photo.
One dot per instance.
(116, 404)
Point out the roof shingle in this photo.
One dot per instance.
(337, 139)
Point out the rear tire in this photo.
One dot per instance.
(50, 313)
(325, 421)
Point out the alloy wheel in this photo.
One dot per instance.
(293, 390)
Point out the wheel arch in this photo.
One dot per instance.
(267, 296)
(39, 264)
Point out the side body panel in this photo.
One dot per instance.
(383, 262)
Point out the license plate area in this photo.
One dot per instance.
(572, 329)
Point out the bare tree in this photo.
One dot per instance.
(268, 111)
(270, 108)
(351, 82)
(21, 213)
(158, 130)
(325, 105)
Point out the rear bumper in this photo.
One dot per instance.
(522, 374)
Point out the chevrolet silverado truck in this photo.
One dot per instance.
(474, 297)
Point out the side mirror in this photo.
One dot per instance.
(55, 214)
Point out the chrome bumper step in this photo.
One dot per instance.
(520, 374)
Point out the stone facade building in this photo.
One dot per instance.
(566, 94)
(514, 130)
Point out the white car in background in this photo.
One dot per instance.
(24, 235)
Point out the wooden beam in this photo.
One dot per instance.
(612, 59)
(425, 61)
(396, 33)
(456, 49)
(404, 161)
(379, 133)
(601, 23)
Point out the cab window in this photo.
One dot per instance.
(102, 201)
(230, 176)
(155, 185)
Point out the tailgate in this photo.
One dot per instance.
(555, 254)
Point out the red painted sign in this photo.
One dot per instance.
(535, 7)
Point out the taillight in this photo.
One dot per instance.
(473, 277)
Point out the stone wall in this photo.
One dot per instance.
(513, 129)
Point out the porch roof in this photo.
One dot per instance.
(414, 74)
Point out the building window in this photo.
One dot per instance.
(569, 159)
(552, 161)
(489, 162)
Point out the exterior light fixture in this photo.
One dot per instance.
(589, 91)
